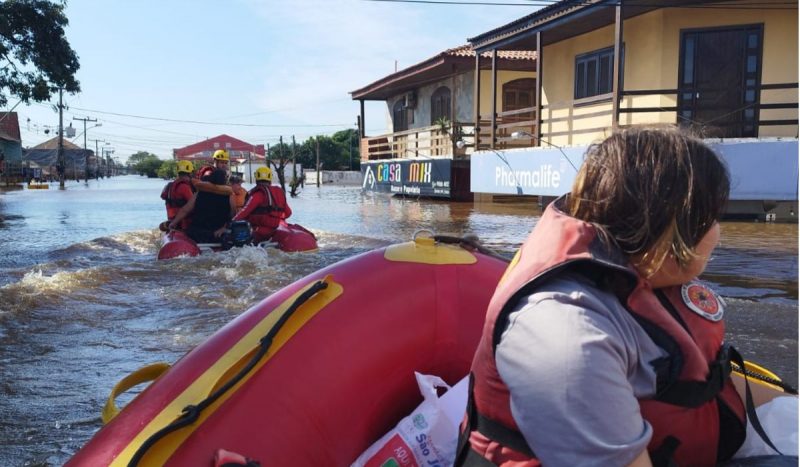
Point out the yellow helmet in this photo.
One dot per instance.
(221, 155)
(185, 167)
(263, 174)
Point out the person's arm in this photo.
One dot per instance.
(287, 211)
(249, 206)
(211, 188)
(642, 460)
(232, 202)
(185, 210)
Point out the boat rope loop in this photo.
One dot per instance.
(191, 413)
(470, 243)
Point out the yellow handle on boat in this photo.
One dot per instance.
(758, 370)
(142, 375)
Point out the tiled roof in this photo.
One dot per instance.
(52, 143)
(433, 66)
(468, 51)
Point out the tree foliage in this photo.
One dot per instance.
(168, 169)
(336, 152)
(36, 59)
(145, 163)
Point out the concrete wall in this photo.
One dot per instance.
(335, 177)
(462, 89)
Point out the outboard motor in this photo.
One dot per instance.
(238, 235)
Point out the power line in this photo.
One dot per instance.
(197, 122)
(545, 3)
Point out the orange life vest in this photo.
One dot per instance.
(168, 195)
(270, 212)
(696, 414)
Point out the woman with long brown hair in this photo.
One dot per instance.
(600, 348)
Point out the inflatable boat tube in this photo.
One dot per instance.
(288, 237)
(318, 371)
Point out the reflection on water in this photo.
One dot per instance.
(83, 301)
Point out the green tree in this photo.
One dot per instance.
(168, 169)
(137, 157)
(36, 59)
(145, 163)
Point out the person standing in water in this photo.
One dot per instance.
(600, 347)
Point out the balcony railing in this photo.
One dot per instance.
(776, 106)
(430, 141)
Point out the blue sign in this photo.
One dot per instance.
(417, 177)
(529, 171)
(759, 169)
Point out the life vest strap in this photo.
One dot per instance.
(489, 428)
(663, 455)
(693, 394)
(749, 406)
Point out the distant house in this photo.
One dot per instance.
(245, 157)
(44, 156)
(10, 146)
(726, 69)
(432, 107)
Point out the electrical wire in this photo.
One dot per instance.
(545, 3)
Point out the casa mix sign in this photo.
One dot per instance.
(418, 177)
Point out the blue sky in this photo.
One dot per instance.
(250, 62)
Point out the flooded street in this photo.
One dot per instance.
(83, 301)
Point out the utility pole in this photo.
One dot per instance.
(85, 152)
(294, 165)
(281, 165)
(61, 164)
(97, 156)
(319, 175)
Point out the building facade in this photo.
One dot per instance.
(431, 107)
(726, 70)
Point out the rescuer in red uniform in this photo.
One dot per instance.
(265, 206)
(179, 192)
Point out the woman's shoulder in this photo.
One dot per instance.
(577, 307)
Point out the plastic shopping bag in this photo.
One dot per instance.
(778, 417)
(429, 436)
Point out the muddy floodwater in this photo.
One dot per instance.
(83, 302)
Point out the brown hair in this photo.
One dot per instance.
(651, 191)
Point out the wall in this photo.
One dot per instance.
(503, 77)
(652, 48)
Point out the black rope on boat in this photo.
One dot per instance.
(767, 379)
(191, 413)
(470, 243)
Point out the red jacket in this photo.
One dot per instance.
(265, 207)
(696, 402)
(175, 195)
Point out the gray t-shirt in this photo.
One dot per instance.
(575, 362)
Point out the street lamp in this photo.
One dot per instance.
(520, 134)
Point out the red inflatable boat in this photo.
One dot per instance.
(288, 237)
(315, 373)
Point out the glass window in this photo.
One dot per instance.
(594, 73)
(688, 60)
(440, 104)
(399, 116)
(518, 94)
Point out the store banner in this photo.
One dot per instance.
(417, 177)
